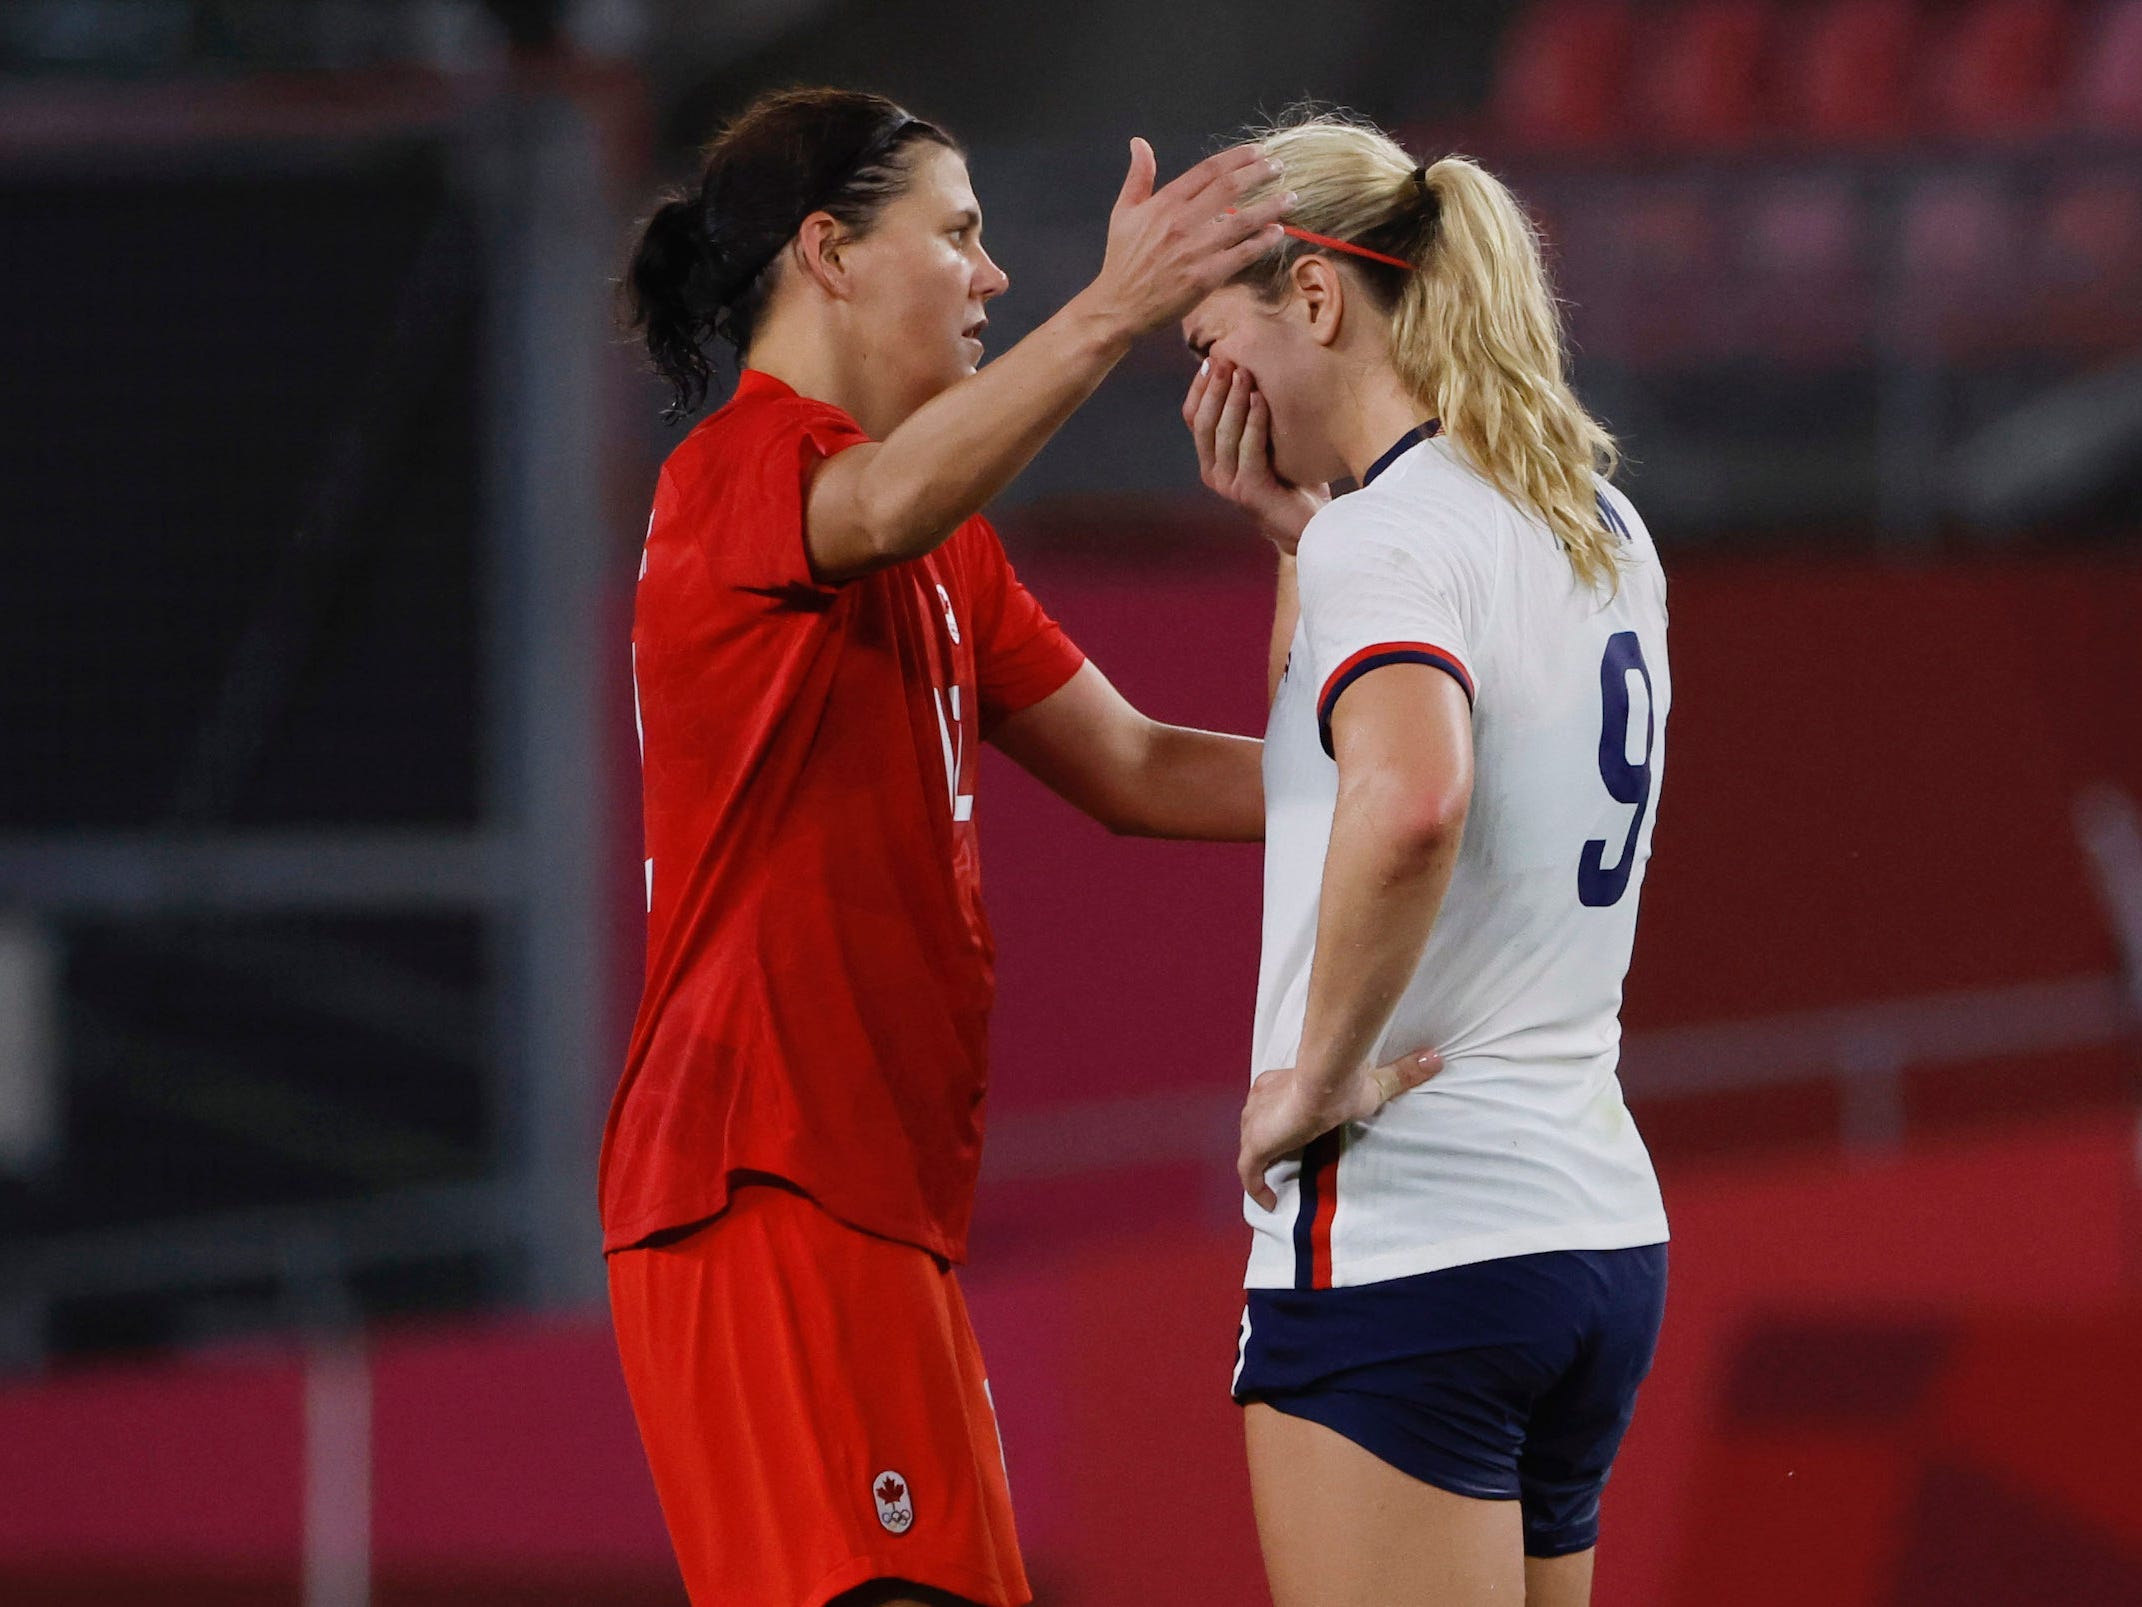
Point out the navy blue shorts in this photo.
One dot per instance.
(1504, 1380)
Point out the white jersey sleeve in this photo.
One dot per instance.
(1374, 593)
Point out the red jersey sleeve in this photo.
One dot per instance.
(1021, 655)
(766, 480)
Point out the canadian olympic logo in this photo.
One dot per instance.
(896, 1502)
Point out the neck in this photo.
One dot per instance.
(815, 359)
(1372, 413)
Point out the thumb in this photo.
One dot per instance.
(1138, 182)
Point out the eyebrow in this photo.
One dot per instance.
(966, 218)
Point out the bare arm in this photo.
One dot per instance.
(1404, 740)
(1134, 775)
(1403, 736)
(885, 502)
(1286, 613)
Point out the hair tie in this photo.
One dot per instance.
(1420, 179)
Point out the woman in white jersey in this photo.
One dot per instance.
(1453, 1295)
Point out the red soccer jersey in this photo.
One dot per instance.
(819, 968)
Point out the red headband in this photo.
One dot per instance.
(1345, 245)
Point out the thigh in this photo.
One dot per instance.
(814, 1411)
(1340, 1527)
(1559, 1581)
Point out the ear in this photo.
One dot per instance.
(817, 252)
(1320, 293)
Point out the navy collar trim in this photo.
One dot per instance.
(1406, 442)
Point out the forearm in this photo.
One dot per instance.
(1286, 612)
(1382, 889)
(1195, 784)
(963, 446)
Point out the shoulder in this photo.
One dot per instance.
(757, 426)
(1428, 516)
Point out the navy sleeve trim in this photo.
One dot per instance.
(1375, 657)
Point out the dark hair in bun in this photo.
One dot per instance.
(700, 269)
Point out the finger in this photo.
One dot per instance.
(1227, 424)
(1196, 394)
(1249, 1168)
(1255, 456)
(1138, 182)
(1227, 436)
(1247, 219)
(1203, 421)
(1208, 422)
(1406, 1072)
(1237, 257)
(1193, 182)
(1219, 181)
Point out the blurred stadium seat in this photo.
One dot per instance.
(1702, 82)
(1562, 75)
(1997, 71)
(1847, 71)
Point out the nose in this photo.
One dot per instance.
(992, 281)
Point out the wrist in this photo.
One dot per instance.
(1096, 325)
(1286, 530)
(1319, 1089)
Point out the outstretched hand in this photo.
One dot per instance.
(1231, 423)
(1170, 248)
(1283, 1114)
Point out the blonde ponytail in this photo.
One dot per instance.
(1476, 334)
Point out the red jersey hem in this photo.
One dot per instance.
(980, 1588)
(637, 1231)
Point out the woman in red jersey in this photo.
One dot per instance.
(825, 630)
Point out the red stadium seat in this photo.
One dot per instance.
(1561, 82)
(1702, 83)
(2106, 95)
(1848, 72)
(1998, 71)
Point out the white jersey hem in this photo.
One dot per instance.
(1627, 1235)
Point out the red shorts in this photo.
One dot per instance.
(814, 1408)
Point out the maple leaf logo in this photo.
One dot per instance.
(891, 1490)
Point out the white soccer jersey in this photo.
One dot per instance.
(1521, 1143)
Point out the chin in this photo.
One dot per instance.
(1297, 468)
(1294, 473)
